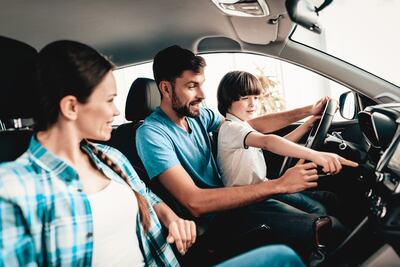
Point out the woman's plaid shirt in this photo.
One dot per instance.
(45, 217)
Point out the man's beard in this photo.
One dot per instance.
(181, 109)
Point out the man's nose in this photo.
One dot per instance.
(200, 93)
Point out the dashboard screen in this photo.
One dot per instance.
(394, 163)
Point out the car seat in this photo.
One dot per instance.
(18, 97)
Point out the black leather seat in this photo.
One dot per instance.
(18, 97)
(143, 98)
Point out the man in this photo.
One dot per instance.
(174, 146)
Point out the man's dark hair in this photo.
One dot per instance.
(234, 85)
(171, 62)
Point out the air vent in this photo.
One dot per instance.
(243, 8)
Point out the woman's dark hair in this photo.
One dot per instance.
(66, 68)
(233, 85)
(171, 62)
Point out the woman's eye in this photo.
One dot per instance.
(245, 98)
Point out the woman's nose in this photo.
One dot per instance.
(116, 110)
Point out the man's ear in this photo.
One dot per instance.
(165, 89)
(69, 107)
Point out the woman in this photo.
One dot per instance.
(69, 202)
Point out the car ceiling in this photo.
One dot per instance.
(133, 31)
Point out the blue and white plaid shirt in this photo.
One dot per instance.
(45, 217)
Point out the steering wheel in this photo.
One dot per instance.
(317, 134)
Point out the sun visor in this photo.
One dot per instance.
(255, 30)
(215, 44)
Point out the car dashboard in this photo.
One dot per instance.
(380, 126)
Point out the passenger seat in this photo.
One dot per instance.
(143, 98)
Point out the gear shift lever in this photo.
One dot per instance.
(322, 226)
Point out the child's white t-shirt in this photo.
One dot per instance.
(239, 164)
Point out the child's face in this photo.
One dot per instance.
(245, 108)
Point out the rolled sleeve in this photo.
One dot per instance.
(16, 245)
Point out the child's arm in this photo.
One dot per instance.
(330, 162)
(304, 128)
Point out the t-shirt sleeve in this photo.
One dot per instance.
(156, 150)
(232, 135)
(210, 119)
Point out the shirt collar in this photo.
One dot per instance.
(44, 159)
(232, 117)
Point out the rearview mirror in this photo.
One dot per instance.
(305, 14)
(348, 105)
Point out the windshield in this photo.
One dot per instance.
(363, 33)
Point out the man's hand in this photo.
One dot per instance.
(299, 178)
(330, 162)
(182, 233)
(318, 107)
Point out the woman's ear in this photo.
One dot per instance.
(69, 107)
(165, 89)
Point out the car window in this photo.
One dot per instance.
(287, 86)
(124, 78)
(365, 34)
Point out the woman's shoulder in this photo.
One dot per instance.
(17, 176)
(117, 157)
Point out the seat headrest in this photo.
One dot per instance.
(18, 90)
(143, 98)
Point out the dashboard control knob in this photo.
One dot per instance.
(369, 193)
(383, 212)
(378, 201)
(380, 177)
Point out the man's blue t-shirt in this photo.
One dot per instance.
(161, 144)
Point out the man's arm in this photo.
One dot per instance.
(273, 122)
(199, 201)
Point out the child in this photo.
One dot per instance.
(240, 157)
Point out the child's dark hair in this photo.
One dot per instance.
(171, 62)
(234, 85)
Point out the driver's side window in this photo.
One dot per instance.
(286, 86)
